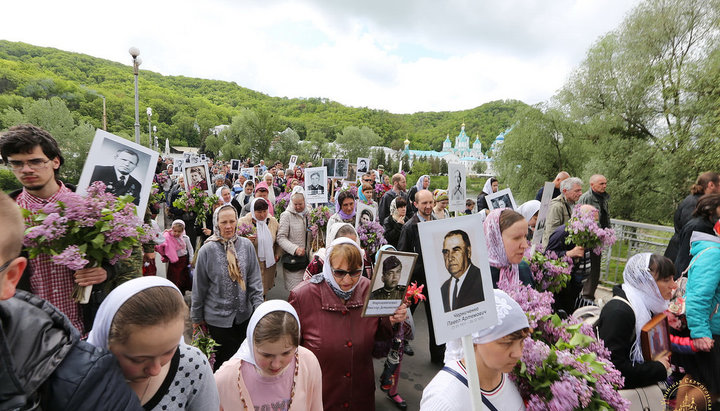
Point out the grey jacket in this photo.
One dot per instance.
(218, 300)
(558, 214)
(600, 202)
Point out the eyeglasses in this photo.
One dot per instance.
(33, 163)
(340, 274)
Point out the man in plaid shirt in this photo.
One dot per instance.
(35, 159)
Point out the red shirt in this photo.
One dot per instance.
(50, 281)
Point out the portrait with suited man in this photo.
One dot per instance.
(464, 287)
(117, 177)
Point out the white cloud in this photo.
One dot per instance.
(403, 56)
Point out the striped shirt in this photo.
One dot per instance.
(50, 281)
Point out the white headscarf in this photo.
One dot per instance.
(264, 238)
(246, 351)
(291, 207)
(419, 184)
(529, 208)
(328, 270)
(240, 197)
(112, 303)
(644, 295)
(487, 188)
(511, 318)
(271, 187)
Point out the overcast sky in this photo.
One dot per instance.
(402, 56)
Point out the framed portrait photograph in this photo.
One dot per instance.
(186, 157)
(329, 164)
(363, 165)
(341, 168)
(316, 185)
(197, 174)
(548, 189)
(654, 338)
(234, 166)
(352, 175)
(501, 199)
(203, 157)
(293, 162)
(457, 187)
(177, 166)
(364, 214)
(390, 279)
(248, 170)
(126, 168)
(458, 276)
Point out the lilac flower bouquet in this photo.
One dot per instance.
(317, 221)
(549, 272)
(156, 198)
(584, 231)
(246, 230)
(281, 203)
(83, 231)
(371, 236)
(196, 201)
(563, 365)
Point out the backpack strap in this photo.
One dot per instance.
(464, 380)
(687, 270)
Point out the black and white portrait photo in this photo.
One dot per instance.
(126, 168)
(341, 168)
(187, 156)
(234, 166)
(363, 165)
(458, 276)
(501, 199)
(457, 182)
(177, 166)
(293, 162)
(364, 214)
(329, 164)
(389, 282)
(315, 185)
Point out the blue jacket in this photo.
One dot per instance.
(702, 295)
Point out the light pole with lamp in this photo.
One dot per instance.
(134, 52)
(150, 140)
(157, 148)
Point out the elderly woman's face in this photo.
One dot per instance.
(347, 282)
(348, 205)
(261, 214)
(227, 223)
(426, 183)
(515, 242)
(268, 180)
(299, 203)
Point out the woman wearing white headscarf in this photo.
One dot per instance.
(264, 240)
(648, 285)
(422, 184)
(227, 286)
(142, 323)
(497, 350)
(246, 195)
(530, 210)
(270, 367)
(491, 186)
(329, 307)
(273, 191)
(292, 235)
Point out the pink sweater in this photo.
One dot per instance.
(308, 386)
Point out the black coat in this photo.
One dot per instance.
(392, 230)
(43, 360)
(683, 214)
(107, 175)
(616, 327)
(471, 291)
(701, 224)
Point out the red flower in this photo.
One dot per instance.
(414, 293)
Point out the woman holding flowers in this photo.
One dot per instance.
(648, 285)
(345, 210)
(497, 350)
(142, 323)
(270, 369)
(264, 240)
(227, 286)
(505, 232)
(329, 307)
(292, 234)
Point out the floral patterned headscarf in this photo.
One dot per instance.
(496, 249)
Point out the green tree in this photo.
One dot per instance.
(285, 144)
(356, 141)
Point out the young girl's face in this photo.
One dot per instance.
(273, 357)
(500, 355)
(177, 230)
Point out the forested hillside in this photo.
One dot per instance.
(185, 108)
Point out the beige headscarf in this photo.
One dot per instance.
(229, 245)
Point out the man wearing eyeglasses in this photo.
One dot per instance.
(43, 362)
(118, 178)
(35, 159)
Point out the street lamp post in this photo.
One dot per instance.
(134, 52)
(149, 114)
(156, 139)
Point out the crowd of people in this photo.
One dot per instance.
(126, 349)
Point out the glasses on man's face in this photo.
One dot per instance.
(340, 274)
(367, 181)
(33, 163)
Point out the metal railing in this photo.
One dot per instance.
(632, 238)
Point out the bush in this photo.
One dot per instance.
(8, 182)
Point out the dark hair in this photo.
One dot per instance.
(23, 138)
(707, 207)
(344, 195)
(661, 267)
(366, 212)
(275, 325)
(260, 204)
(390, 263)
(461, 233)
(469, 202)
(367, 186)
(509, 217)
(151, 306)
(400, 201)
(519, 334)
(702, 182)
